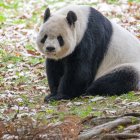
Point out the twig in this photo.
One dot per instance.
(87, 119)
(119, 136)
(102, 120)
(131, 128)
(107, 127)
(135, 114)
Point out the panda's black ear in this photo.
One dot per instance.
(46, 14)
(71, 18)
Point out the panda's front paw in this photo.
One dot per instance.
(48, 97)
(55, 98)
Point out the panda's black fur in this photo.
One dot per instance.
(74, 74)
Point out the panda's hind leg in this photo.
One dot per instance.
(116, 82)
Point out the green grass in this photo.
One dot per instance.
(112, 1)
(130, 96)
(33, 60)
(134, 1)
(11, 58)
(2, 18)
(9, 5)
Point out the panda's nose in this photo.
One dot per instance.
(50, 49)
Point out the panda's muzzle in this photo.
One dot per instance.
(50, 49)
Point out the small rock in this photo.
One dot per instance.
(96, 99)
(69, 104)
(78, 103)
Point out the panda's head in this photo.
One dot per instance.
(57, 36)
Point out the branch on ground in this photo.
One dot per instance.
(107, 127)
(120, 136)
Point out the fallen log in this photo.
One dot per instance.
(107, 127)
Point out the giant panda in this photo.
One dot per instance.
(87, 54)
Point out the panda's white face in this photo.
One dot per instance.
(56, 38)
(62, 31)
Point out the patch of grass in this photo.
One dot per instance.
(1, 79)
(21, 80)
(19, 21)
(97, 113)
(134, 120)
(30, 47)
(2, 54)
(54, 103)
(92, 4)
(25, 99)
(134, 1)
(9, 5)
(81, 111)
(119, 16)
(11, 59)
(41, 116)
(35, 17)
(50, 111)
(2, 18)
(49, 2)
(120, 128)
(130, 96)
(112, 1)
(34, 60)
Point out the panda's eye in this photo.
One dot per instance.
(60, 40)
(44, 39)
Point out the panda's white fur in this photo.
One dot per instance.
(124, 48)
(96, 53)
(71, 35)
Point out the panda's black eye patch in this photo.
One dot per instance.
(44, 39)
(60, 40)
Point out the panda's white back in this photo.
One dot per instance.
(124, 48)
